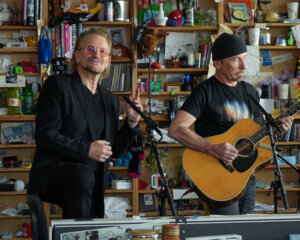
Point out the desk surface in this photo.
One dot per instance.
(251, 227)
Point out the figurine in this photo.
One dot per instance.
(14, 12)
(175, 19)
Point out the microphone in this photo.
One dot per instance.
(148, 120)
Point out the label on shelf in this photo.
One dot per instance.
(177, 194)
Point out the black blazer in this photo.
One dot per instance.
(64, 128)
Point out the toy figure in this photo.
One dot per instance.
(150, 41)
(14, 11)
(175, 19)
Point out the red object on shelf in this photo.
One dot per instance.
(27, 229)
(28, 66)
(155, 65)
(142, 185)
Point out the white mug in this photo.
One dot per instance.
(292, 8)
(293, 87)
(283, 91)
(253, 34)
(155, 180)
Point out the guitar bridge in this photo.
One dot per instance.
(226, 165)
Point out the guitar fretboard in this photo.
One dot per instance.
(263, 132)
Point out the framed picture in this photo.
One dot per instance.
(238, 12)
(173, 86)
(147, 202)
(155, 87)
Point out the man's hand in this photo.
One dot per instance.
(224, 151)
(286, 123)
(100, 150)
(132, 115)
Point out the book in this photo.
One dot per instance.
(36, 10)
(203, 51)
(24, 19)
(57, 41)
(208, 55)
(66, 38)
(62, 39)
(238, 12)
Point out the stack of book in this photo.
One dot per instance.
(119, 78)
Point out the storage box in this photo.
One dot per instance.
(290, 159)
(121, 184)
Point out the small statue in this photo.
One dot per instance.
(14, 12)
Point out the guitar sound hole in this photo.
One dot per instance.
(244, 146)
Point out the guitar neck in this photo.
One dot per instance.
(290, 111)
(263, 132)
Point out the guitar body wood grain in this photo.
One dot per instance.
(217, 185)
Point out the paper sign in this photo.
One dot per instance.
(282, 58)
(266, 56)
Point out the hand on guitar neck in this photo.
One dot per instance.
(286, 123)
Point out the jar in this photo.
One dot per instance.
(190, 55)
(121, 10)
(13, 101)
(188, 12)
(265, 36)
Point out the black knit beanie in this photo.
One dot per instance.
(227, 45)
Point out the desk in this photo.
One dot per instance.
(251, 227)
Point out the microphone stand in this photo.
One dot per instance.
(297, 169)
(164, 191)
(277, 184)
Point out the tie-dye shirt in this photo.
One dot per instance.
(217, 106)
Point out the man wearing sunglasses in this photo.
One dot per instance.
(77, 131)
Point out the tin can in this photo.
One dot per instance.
(265, 36)
(121, 10)
(188, 14)
(143, 234)
(110, 11)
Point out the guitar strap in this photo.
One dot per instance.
(249, 101)
(251, 105)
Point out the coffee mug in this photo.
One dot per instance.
(156, 180)
(292, 8)
(253, 34)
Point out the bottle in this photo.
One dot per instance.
(13, 101)
(291, 39)
(30, 13)
(109, 11)
(190, 55)
(3, 110)
(188, 12)
(28, 107)
(171, 110)
(187, 86)
(161, 13)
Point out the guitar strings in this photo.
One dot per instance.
(245, 144)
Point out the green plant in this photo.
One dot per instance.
(151, 161)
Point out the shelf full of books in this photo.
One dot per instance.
(120, 77)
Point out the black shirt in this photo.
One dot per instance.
(96, 109)
(217, 106)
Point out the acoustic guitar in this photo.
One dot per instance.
(220, 183)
